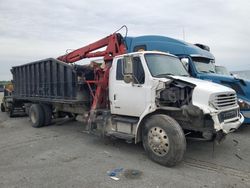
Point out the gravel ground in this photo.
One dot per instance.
(64, 156)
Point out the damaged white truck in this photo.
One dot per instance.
(144, 96)
(156, 102)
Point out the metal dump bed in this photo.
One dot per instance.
(45, 80)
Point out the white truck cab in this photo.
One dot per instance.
(153, 99)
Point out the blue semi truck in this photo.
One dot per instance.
(199, 62)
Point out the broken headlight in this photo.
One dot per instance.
(244, 105)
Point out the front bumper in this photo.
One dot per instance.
(228, 125)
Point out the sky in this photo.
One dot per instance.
(31, 30)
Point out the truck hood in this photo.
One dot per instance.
(241, 86)
(207, 86)
(205, 91)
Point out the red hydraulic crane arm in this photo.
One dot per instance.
(114, 46)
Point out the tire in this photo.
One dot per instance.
(164, 140)
(27, 109)
(36, 115)
(61, 114)
(72, 116)
(2, 108)
(47, 114)
(11, 113)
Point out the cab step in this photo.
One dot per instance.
(125, 136)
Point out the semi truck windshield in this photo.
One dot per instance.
(204, 65)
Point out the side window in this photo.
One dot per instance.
(138, 72)
(119, 74)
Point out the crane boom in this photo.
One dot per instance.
(114, 46)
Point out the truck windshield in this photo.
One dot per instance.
(204, 65)
(222, 70)
(161, 65)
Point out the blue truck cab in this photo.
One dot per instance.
(199, 62)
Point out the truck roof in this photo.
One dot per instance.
(166, 44)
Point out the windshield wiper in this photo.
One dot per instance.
(186, 75)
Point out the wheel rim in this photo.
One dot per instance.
(158, 141)
(33, 116)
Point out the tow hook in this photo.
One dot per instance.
(220, 137)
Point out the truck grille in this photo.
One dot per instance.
(222, 101)
(228, 115)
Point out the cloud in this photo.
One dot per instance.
(32, 30)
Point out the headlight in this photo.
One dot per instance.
(244, 105)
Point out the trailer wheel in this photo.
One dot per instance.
(47, 114)
(36, 115)
(164, 140)
(2, 107)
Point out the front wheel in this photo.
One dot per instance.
(164, 140)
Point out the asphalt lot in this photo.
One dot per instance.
(62, 155)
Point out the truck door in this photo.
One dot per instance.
(128, 98)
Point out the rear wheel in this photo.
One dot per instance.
(164, 140)
(36, 115)
(2, 107)
(47, 114)
(11, 112)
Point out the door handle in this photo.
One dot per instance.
(114, 96)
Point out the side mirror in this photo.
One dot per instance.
(128, 69)
(127, 65)
(185, 62)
